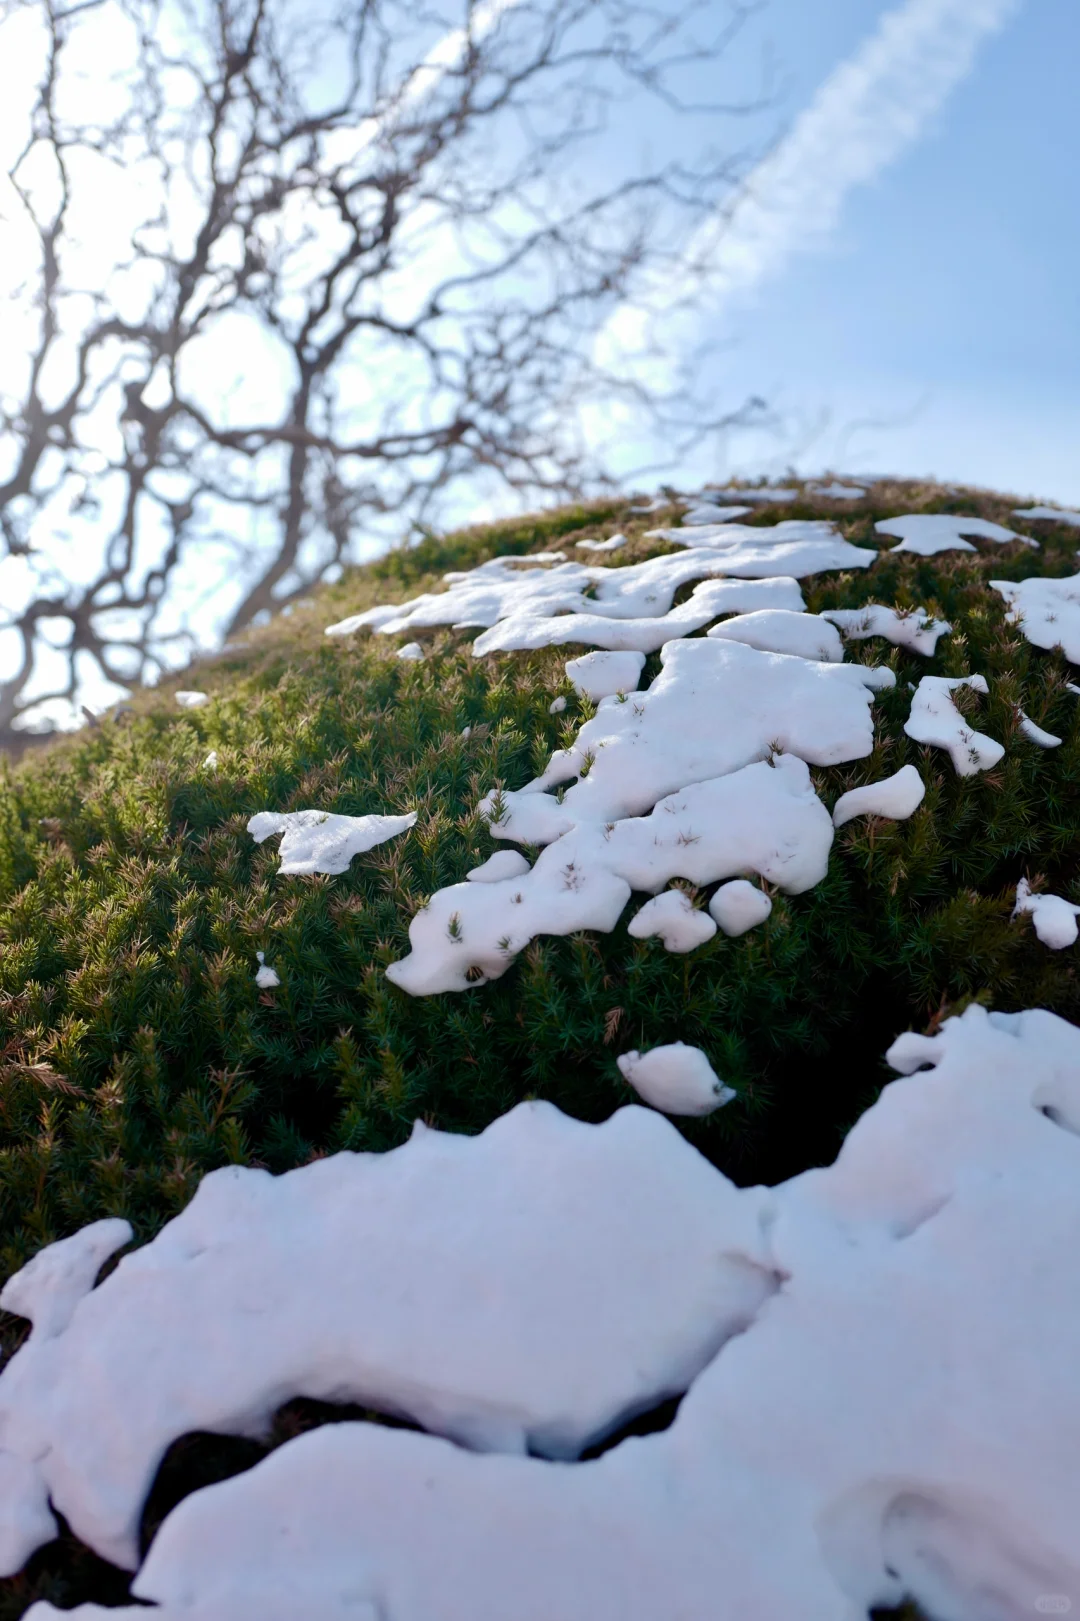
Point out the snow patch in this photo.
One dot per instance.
(676, 920)
(1036, 734)
(935, 719)
(896, 797)
(192, 700)
(901, 1419)
(320, 841)
(211, 761)
(709, 512)
(265, 978)
(439, 1281)
(411, 651)
(615, 543)
(914, 629)
(503, 864)
(778, 630)
(739, 906)
(837, 492)
(1047, 611)
(926, 534)
(1051, 514)
(602, 675)
(676, 1079)
(1054, 918)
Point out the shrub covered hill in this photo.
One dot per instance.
(142, 1046)
(139, 1052)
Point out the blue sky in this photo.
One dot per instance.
(946, 302)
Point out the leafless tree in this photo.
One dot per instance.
(281, 272)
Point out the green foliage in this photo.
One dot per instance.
(137, 1052)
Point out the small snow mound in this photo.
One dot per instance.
(614, 543)
(896, 797)
(739, 906)
(1054, 918)
(778, 630)
(265, 979)
(708, 512)
(52, 1283)
(503, 864)
(1047, 611)
(412, 651)
(211, 761)
(927, 533)
(320, 841)
(1050, 514)
(760, 493)
(603, 675)
(192, 700)
(935, 719)
(557, 705)
(676, 1079)
(837, 492)
(915, 629)
(675, 919)
(1036, 734)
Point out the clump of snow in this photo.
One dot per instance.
(1051, 514)
(629, 754)
(1047, 611)
(935, 719)
(265, 977)
(760, 493)
(763, 818)
(837, 492)
(211, 761)
(411, 651)
(896, 797)
(914, 629)
(439, 1281)
(503, 864)
(466, 731)
(645, 635)
(778, 630)
(320, 841)
(1036, 734)
(601, 675)
(927, 533)
(1053, 917)
(192, 700)
(614, 543)
(739, 906)
(672, 916)
(676, 1079)
(557, 705)
(901, 1420)
(708, 512)
(370, 619)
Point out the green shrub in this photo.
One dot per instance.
(137, 1052)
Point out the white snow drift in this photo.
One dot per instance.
(672, 916)
(896, 797)
(1053, 917)
(915, 629)
(320, 841)
(601, 675)
(778, 630)
(738, 906)
(900, 1419)
(935, 719)
(438, 1281)
(1050, 514)
(676, 1079)
(1047, 611)
(926, 534)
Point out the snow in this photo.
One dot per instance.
(837, 492)
(778, 630)
(709, 512)
(760, 494)
(1047, 611)
(211, 761)
(896, 797)
(672, 916)
(913, 629)
(1054, 917)
(1036, 734)
(926, 534)
(614, 543)
(935, 719)
(764, 818)
(192, 700)
(1051, 514)
(763, 556)
(601, 675)
(503, 864)
(900, 1419)
(320, 841)
(630, 754)
(645, 635)
(739, 906)
(436, 1281)
(265, 979)
(411, 651)
(556, 706)
(676, 1079)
